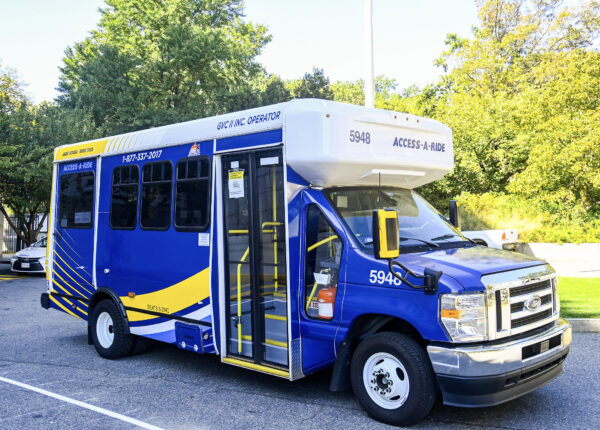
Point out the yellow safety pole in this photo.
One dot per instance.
(239, 299)
(312, 293)
(321, 242)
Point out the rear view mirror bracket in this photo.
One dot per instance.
(431, 277)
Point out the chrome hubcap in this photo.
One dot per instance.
(386, 380)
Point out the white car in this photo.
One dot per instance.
(501, 239)
(30, 260)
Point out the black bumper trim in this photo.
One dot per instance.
(474, 392)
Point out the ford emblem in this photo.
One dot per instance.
(533, 303)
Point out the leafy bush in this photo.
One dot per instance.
(535, 221)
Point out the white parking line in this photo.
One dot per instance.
(82, 404)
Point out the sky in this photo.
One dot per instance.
(408, 36)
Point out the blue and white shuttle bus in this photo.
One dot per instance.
(288, 238)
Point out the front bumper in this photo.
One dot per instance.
(16, 266)
(487, 375)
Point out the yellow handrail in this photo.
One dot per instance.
(310, 248)
(239, 300)
(322, 242)
(312, 293)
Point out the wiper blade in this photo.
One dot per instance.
(445, 236)
(450, 235)
(420, 240)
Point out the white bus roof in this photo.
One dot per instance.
(327, 143)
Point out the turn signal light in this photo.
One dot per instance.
(450, 313)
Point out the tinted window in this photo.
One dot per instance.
(156, 195)
(192, 203)
(76, 202)
(124, 197)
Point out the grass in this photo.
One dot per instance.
(579, 297)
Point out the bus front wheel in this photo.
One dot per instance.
(392, 378)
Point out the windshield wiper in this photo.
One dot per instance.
(449, 235)
(420, 240)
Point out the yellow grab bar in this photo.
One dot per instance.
(312, 293)
(239, 300)
(322, 242)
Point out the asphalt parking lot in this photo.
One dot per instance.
(174, 389)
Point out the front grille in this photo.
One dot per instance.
(523, 317)
(529, 288)
(520, 301)
(34, 265)
(516, 307)
(28, 260)
(531, 319)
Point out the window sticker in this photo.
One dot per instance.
(203, 239)
(236, 184)
(83, 217)
(267, 161)
(194, 151)
(342, 202)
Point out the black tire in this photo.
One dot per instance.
(422, 391)
(122, 343)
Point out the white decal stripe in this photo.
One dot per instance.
(198, 314)
(82, 404)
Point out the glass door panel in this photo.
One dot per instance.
(272, 262)
(237, 214)
(254, 215)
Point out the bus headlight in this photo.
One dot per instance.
(464, 316)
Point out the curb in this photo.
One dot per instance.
(585, 325)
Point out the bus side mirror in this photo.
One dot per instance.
(454, 214)
(386, 235)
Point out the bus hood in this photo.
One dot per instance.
(468, 265)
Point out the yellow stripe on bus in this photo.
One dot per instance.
(171, 299)
(82, 150)
(62, 307)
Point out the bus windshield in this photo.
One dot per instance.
(420, 223)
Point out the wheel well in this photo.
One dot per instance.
(104, 293)
(480, 242)
(366, 325)
(361, 328)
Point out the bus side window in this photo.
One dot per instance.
(157, 185)
(124, 197)
(192, 194)
(76, 200)
(323, 255)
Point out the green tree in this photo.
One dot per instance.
(519, 97)
(312, 85)
(153, 62)
(28, 136)
(352, 92)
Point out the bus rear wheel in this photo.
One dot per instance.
(392, 378)
(108, 331)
